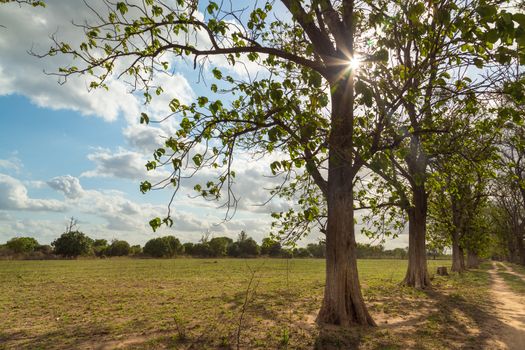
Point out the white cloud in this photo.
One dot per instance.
(144, 138)
(122, 164)
(11, 164)
(68, 185)
(22, 73)
(13, 196)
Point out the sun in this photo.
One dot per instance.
(354, 63)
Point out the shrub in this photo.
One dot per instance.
(202, 249)
(188, 248)
(248, 247)
(45, 249)
(219, 246)
(22, 245)
(301, 253)
(167, 246)
(317, 250)
(119, 248)
(100, 247)
(72, 244)
(135, 250)
(271, 247)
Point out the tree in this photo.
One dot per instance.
(22, 245)
(119, 248)
(458, 37)
(246, 246)
(270, 247)
(310, 60)
(300, 252)
(219, 246)
(156, 247)
(100, 247)
(310, 105)
(72, 244)
(159, 247)
(188, 248)
(317, 250)
(135, 250)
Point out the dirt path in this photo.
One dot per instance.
(509, 309)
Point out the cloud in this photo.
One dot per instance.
(122, 164)
(68, 185)
(13, 196)
(144, 138)
(11, 164)
(21, 73)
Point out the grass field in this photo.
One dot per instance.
(199, 304)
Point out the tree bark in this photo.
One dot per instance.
(521, 249)
(458, 260)
(343, 302)
(472, 259)
(417, 273)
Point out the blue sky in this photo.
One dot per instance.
(67, 152)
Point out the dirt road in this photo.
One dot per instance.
(509, 309)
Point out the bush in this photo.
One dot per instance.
(135, 250)
(188, 248)
(22, 245)
(45, 249)
(100, 247)
(301, 253)
(72, 244)
(248, 248)
(202, 250)
(160, 247)
(270, 247)
(119, 248)
(317, 250)
(234, 250)
(219, 246)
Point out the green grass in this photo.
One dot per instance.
(517, 268)
(176, 303)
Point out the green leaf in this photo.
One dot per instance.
(122, 7)
(487, 11)
(144, 119)
(197, 159)
(217, 73)
(155, 223)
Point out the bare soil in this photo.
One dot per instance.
(509, 309)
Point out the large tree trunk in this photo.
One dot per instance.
(417, 274)
(343, 302)
(472, 259)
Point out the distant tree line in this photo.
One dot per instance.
(73, 243)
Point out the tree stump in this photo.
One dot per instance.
(442, 271)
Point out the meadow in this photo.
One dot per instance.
(228, 303)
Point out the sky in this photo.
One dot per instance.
(69, 152)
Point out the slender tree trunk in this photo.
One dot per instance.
(521, 249)
(458, 260)
(472, 259)
(513, 252)
(343, 302)
(417, 274)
